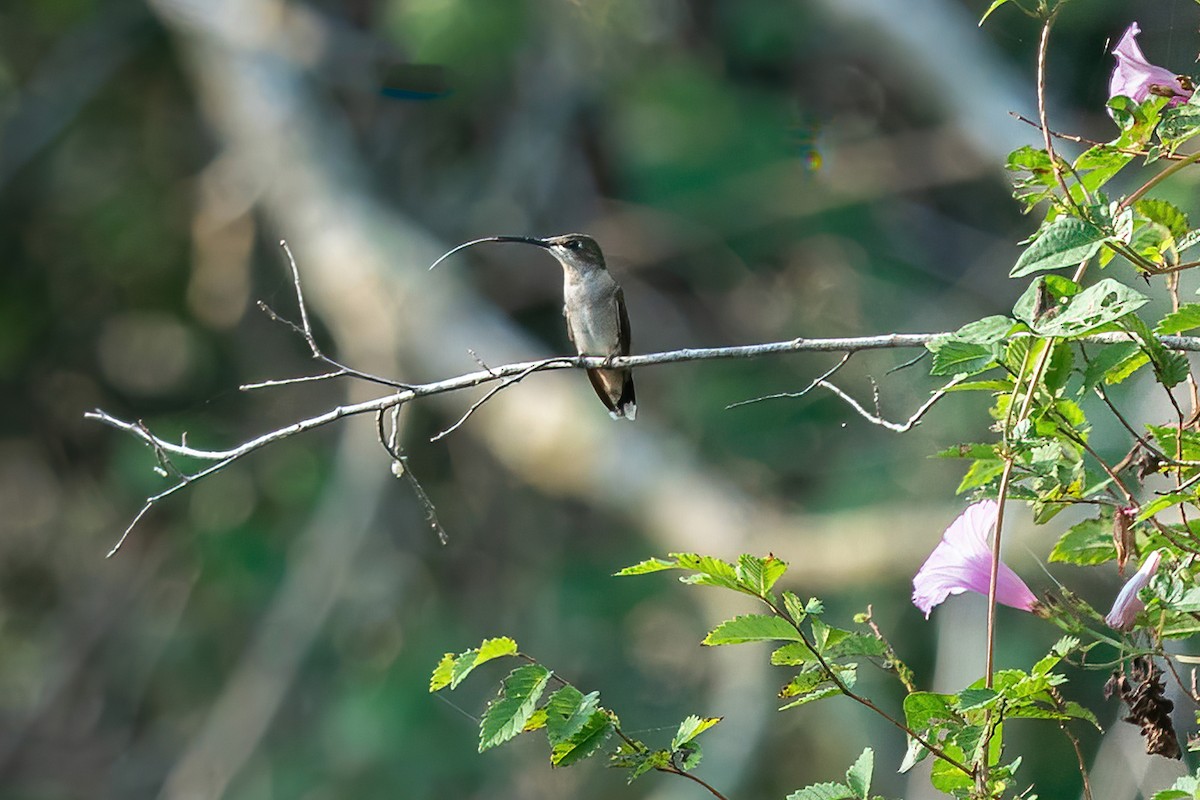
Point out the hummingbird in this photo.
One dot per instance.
(594, 307)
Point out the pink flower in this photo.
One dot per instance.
(1128, 605)
(1136, 78)
(962, 562)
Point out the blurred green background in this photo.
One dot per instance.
(269, 632)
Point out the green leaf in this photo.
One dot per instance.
(981, 386)
(1178, 125)
(968, 450)
(688, 756)
(969, 699)
(1109, 357)
(988, 330)
(1065, 242)
(758, 575)
(709, 571)
(441, 673)
(690, 728)
(995, 4)
(1100, 304)
(1171, 439)
(566, 712)
(1045, 297)
(921, 711)
(1162, 503)
(506, 716)
(827, 791)
(793, 655)
(584, 742)
(1170, 368)
(814, 685)
(1097, 165)
(1085, 544)
(490, 649)
(952, 357)
(1124, 370)
(1058, 371)
(1185, 319)
(794, 607)
(1166, 214)
(858, 777)
(982, 472)
(647, 566)
(752, 628)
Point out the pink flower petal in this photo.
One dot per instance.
(1128, 605)
(962, 562)
(1136, 78)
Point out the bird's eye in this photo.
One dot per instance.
(575, 244)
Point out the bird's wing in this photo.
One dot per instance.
(626, 338)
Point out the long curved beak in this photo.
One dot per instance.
(464, 245)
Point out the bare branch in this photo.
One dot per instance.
(305, 325)
(512, 373)
(793, 395)
(401, 469)
(304, 329)
(495, 390)
(898, 427)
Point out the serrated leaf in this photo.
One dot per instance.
(752, 628)
(974, 450)
(758, 575)
(1085, 544)
(1065, 242)
(1162, 503)
(536, 722)
(952, 357)
(709, 571)
(688, 756)
(988, 330)
(690, 728)
(1059, 369)
(584, 742)
(441, 673)
(981, 472)
(794, 607)
(639, 763)
(647, 566)
(1164, 213)
(506, 716)
(487, 651)
(969, 699)
(826, 791)
(1185, 319)
(793, 655)
(1109, 357)
(1178, 125)
(981, 386)
(1125, 370)
(1172, 441)
(858, 777)
(567, 710)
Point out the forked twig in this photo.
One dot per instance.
(897, 427)
(492, 392)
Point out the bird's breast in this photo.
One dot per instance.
(591, 311)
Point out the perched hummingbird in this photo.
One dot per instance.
(594, 306)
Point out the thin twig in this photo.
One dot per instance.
(897, 427)
(792, 395)
(324, 376)
(492, 392)
(401, 469)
